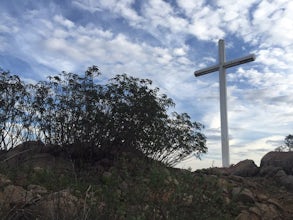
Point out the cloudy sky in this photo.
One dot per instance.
(166, 41)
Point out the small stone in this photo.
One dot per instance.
(36, 189)
(261, 197)
(280, 174)
(175, 181)
(243, 195)
(222, 183)
(245, 215)
(16, 194)
(62, 202)
(275, 203)
(255, 210)
(168, 180)
(107, 174)
(268, 211)
(38, 169)
(227, 200)
(124, 185)
(4, 181)
(236, 191)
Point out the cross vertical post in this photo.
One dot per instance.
(221, 67)
(223, 105)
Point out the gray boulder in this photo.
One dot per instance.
(283, 160)
(285, 180)
(245, 168)
(269, 171)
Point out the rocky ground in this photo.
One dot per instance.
(38, 181)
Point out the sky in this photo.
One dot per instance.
(166, 41)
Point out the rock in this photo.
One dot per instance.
(279, 159)
(124, 186)
(35, 155)
(269, 171)
(224, 185)
(268, 211)
(245, 215)
(243, 195)
(284, 180)
(107, 175)
(58, 205)
(38, 169)
(36, 189)
(245, 168)
(261, 197)
(255, 210)
(188, 200)
(275, 203)
(4, 181)
(16, 194)
(22, 152)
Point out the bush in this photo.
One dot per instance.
(126, 112)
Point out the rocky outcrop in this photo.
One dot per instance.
(282, 160)
(247, 191)
(58, 205)
(254, 204)
(275, 165)
(36, 202)
(278, 166)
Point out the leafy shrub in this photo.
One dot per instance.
(126, 112)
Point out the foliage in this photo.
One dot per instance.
(14, 120)
(126, 112)
(288, 144)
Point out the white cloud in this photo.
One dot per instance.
(236, 15)
(89, 5)
(64, 22)
(179, 51)
(190, 7)
(122, 8)
(259, 95)
(8, 24)
(206, 24)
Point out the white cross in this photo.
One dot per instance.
(221, 67)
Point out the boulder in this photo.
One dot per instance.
(16, 194)
(36, 155)
(59, 205)
(285, 180)
(245, 168)
(243, 195)
(284, 160)
(245, 215)
(269, 171)
(4, 181)
(22, 152)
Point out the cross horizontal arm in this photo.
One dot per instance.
(226, 65)
(206, 70)
(239, 61)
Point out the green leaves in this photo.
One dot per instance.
(126, 112)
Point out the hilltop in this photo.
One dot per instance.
(41, 181)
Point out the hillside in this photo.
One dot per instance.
(76, 182)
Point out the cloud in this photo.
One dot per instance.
(167, 41)
(190, 7)
(274, 19)
(121, 8)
